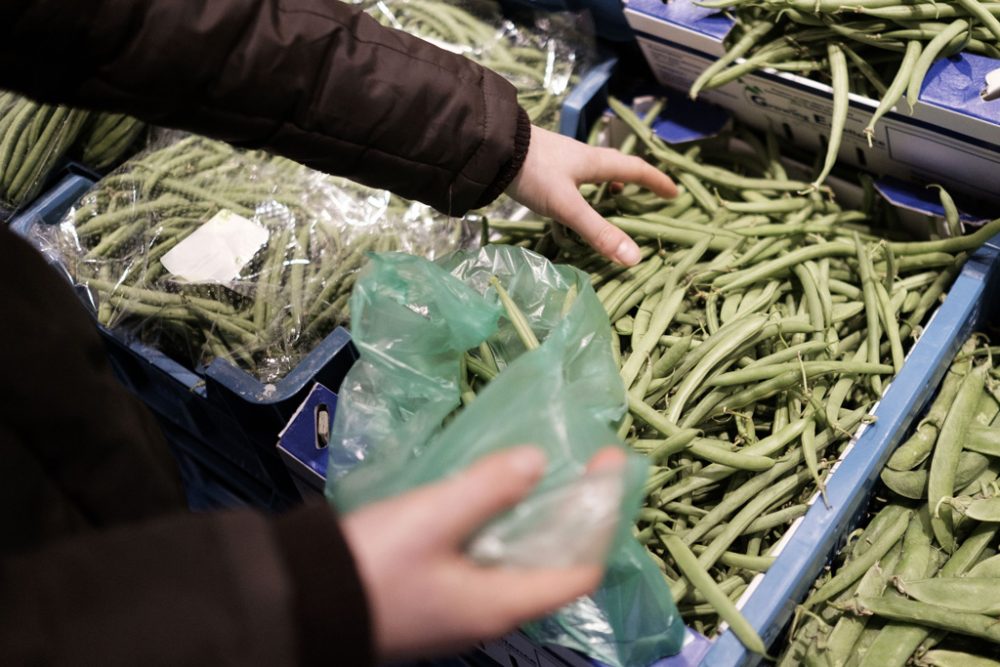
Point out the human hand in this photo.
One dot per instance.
(555, 168)
(426, 597)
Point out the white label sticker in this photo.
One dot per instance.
(217, 251)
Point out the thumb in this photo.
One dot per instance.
(490, 486)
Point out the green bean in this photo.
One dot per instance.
(932, 616)
(666, 310)
(983, 439)
(944, 461)
(766, 389)
(838, 69)
(672, 234)
(986, 510)
(988, 567)
(979, 11)
(890, 325)
(848, 629)
(913, 483)
(871, 307)
(628, 293)
(866, 69)
(764, 270)
(941, 658)
(640, 323)
(701, 195)
(966, 594)
(930, 53)
(728, 339)
(856, 568)
(15, 132)
(706, 450)
(762, 524)
(713, 175)
(516, 317)
(745, 517)
(810, 369)
(740, 561)
(741, 47)
(734, 501)
(700, 578)
(666, 363)
(760, 59)
(951, 214)
(731, 305)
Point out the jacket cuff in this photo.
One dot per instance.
(510, 169)
(330, 605)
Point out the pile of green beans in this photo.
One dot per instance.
(290, 295)
(34, 139)
(753, 338)
(108, 138)
(882, 49)
(532, 57)
(920, 583)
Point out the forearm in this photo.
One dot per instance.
(316, 80)
(228, 588)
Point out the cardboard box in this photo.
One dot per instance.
(952, 137)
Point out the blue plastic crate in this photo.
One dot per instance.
(302, 444)
(204, 488)
(587, 101)
(770, 603)
(225, 410)
(771, 599)
(950, 137)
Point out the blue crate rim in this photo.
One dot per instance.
(854, 474)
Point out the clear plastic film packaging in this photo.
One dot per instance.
(444, 378)
(203, 251)
(541, 56)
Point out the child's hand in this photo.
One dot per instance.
(554, 169)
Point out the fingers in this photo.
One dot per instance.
(518, 595)
(612, 165)
(490, 486)
(573, 211)
(606, 459)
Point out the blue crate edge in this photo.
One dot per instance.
(770, 605)
(581, 102)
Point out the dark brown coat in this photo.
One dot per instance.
(316, 80)
(99, 561)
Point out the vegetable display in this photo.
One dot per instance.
(537, 58)
(290, 294)
(107, 139)
(919, 584)
(882, 49)
(296, 290)
(34, 139)
(754, 337)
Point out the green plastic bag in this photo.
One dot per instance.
(397, 427)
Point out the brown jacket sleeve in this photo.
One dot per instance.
(99, 561)
(221, 589)
(316, 80)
